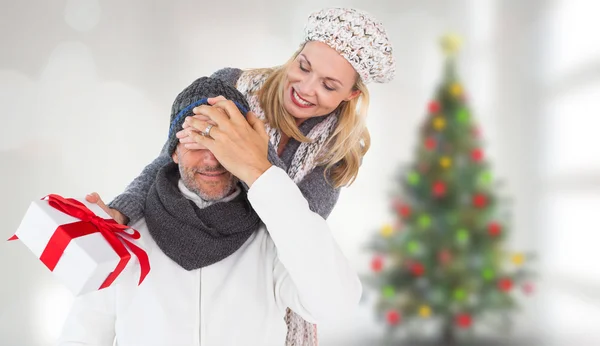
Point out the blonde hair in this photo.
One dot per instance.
(349, 141)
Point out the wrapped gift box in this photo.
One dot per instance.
(81, 244)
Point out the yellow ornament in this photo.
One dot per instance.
(456, 89)
(451, 44)
(518, 259)
(439, 123)
(387, 231)
(424, 311)
(445, 162)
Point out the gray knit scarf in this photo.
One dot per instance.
(194, 237)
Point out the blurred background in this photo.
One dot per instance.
(86, 88)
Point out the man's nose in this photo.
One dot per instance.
(209, 158)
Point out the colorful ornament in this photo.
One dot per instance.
(439, 123)
(451, 44)
(417, 269)
(488, 274)
(477, 154)
(479, 200)
(413, 247)
(377, 264)
(464, 320)
(434, 107)
(462, 236)
(445, 162)
(486, 177)
(456, 89)
(388, 291)
(439, 189)
(518, 259)
(459, 294)
(505, 285)
(402, 209)
(393, 317)
(462, 116)
(424, 311)
(424, 221)
(494, 229)
(430, 143)
(387, 231)
(413, 178)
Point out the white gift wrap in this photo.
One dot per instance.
(86, 262)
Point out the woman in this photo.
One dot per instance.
(314, 109)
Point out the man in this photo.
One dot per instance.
(226, 263)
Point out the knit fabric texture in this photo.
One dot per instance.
(196, 237)
(358, 37)
(197, 94)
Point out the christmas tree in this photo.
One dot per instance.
(444, 258)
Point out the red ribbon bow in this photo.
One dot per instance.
(90, 223)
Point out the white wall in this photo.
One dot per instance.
(86, 88)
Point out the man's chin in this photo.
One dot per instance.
(214, 191)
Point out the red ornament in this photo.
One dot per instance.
(430, 143)
(505, 285)
(434, 107)
(464, 320)
(393, 317)
(417, 269)
(377, 264)
(477, 155)
(402, 209)
(479, 200)
(494, 229)
(528, 288)
(439, 189)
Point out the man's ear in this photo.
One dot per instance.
(175, 157)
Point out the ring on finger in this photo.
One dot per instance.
(206, 132)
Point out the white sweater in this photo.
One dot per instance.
(293, 262)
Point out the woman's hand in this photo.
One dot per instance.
(183, 134)
(114, 213)
(240, 144)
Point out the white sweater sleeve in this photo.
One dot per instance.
(91, 321)
(312, 275)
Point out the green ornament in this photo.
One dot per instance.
(459, 294)
(486, 177)
(424, 221)
(462, 116)
(462, 235)
(413, 178)
(488, 274)
(388, 291)
(413, 247)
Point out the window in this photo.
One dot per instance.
(570, 165)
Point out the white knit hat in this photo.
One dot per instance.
(358, 37)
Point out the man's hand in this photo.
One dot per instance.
(114, 213)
